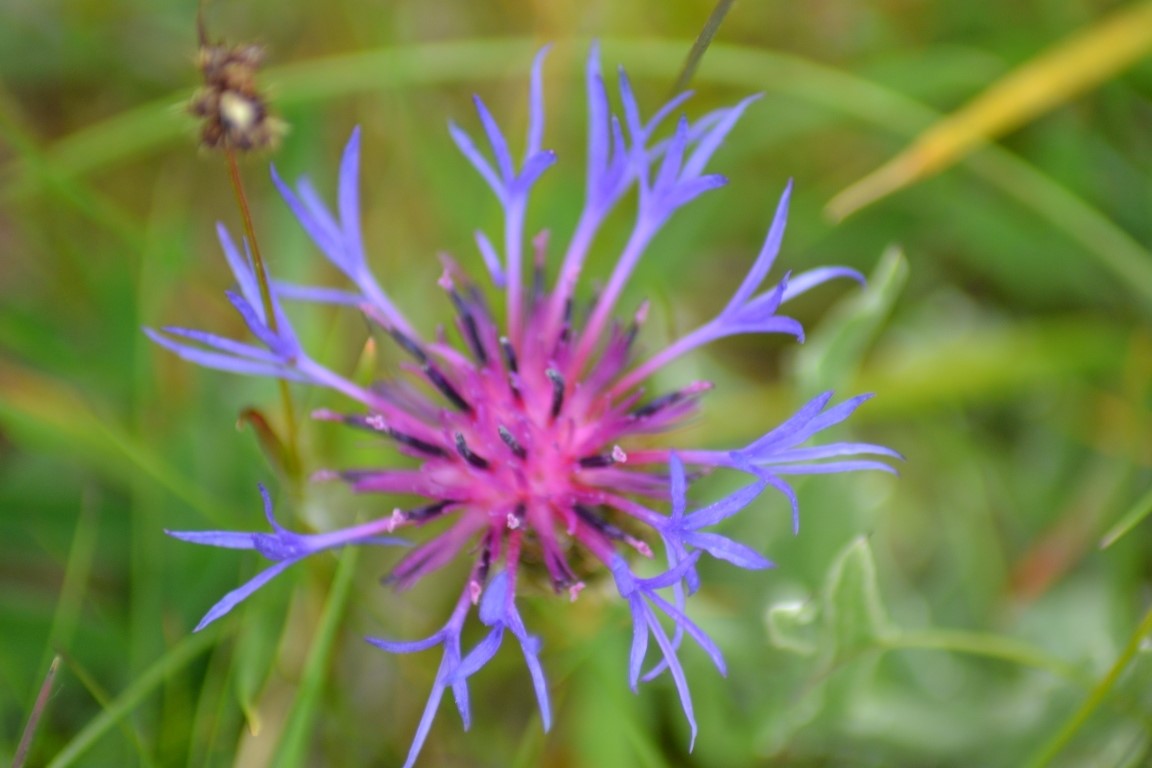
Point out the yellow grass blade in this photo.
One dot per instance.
(1051, 78)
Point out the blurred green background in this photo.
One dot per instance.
(963, 614)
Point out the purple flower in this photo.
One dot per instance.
(524, 426)
(283, 547)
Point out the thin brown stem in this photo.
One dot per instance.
(291, 457)
(37, 711)
(703, 40)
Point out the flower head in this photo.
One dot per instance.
(525, 427)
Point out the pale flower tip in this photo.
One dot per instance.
(642, 313)
(324, 475)
(474, 591)
(640, 546)
(574, 591)
(396, 520)
(618, 454)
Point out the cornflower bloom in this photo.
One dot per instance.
(525, 428)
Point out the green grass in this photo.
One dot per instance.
(965, 613)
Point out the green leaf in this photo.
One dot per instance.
(854, 616)
(789, 627)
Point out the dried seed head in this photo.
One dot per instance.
(234, 112)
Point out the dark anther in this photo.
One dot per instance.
(637, 321)
(557, 390)
(427, 512)
(597, 461)
(509, 353)
(557, 563)
(512, 442)
(597, 522)
(566, 327)
(445, 388)
(408, 345)
(485, 560)
(462, 448)
(470, 330)
(416, 443)
(657, 405)
(376, 423)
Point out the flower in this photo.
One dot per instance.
(524, 430)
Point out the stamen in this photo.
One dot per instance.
(466, 453)
(509, 354)
(485, 563)
(445, 388)
(408, 345)
(671, 398)
(612, 532)
(376, 423)
(471, 332)
(597, 461)
(566, 326)
(516, 517)
(600, 524)
(562, 575)
(557, 390)
(417, 444)
(512, 442)
(637, 322)
(428, 511)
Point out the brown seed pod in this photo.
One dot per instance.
(234, 112)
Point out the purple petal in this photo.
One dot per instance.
(712, 140)
(538, 680)
(676, 481)
(669, 171)
(236, 596)
(677, 673)
(425, 721)
(408, 646)
(224, 362)
(533, 168)
(228, 346)
(348, 202)
(692, 629)
(241, 267)
(723, 509)
(225, 539)
(833, 467)
(639, 640)
(491, 260)
(496, 141)
(253, 317)
(790, 427)
(481, 654)
(317, 295)
(686, 192)
(828, 451)
(805, 281)
(767, 255)
(536, 104)
(597, 122)
(494, 603)
(734, 552)
(315, 220)
(479, 162)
